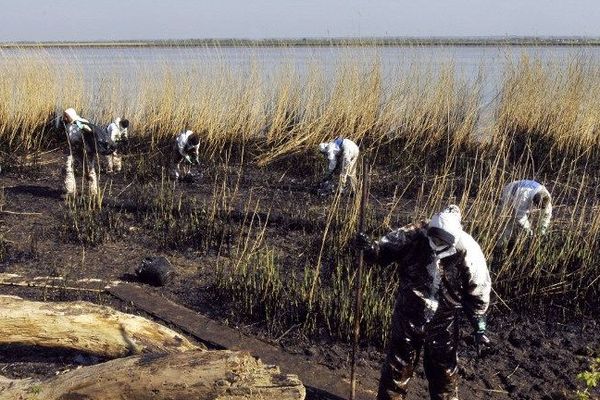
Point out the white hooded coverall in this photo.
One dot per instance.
(348, 151)
(117, 133)
(517, 197)
(182, 153)
(79, 150)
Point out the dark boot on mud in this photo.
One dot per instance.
(449, 390)
(386, 394)
(393, 382)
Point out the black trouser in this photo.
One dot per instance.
(439, 340)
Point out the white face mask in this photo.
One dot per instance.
(441, 251)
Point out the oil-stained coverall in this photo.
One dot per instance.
(343, 151)
(522, 197)
(442, 269)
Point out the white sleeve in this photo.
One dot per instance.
(522, 218)
(546, 217)
(332, 157)
(522, 206)
(350, 151)
(477, 296)
(113, 132)
(181, 145)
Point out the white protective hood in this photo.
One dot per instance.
(72, 114)
(449, 221)
(323, 147)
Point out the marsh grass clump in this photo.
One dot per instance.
(421, 132)
(255, 286)
(261, 288)
(87, 222)
(549, 113)
(180, 222)
(335, 303)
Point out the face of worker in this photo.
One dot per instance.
(67, 118)
(440, 248)
(193, 152)
(323, 147)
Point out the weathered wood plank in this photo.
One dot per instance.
(314, 376)
(206, 375)
(85, 327)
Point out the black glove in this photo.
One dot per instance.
(363, 242)
(479, 337)
(328, 176)
(481, 342)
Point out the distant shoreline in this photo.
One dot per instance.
(510, 41)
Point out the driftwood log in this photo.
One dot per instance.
(170, 367)
(85, 327)
(195, 374)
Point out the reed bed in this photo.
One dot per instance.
(421, 135)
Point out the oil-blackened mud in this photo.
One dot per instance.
(534, 354)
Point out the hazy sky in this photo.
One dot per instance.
(48, 20)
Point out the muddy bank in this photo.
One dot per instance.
(536, 355)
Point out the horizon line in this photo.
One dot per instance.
(323, 41)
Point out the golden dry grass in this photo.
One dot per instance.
(422, 126)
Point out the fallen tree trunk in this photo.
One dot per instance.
(206, 375)
(85, 327)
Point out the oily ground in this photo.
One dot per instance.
(535, 354)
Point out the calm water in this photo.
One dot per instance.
(469, 61)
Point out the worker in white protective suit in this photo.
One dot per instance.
(117, 130)
(184, 154)
(342, 154)
(81, 149)
(522, 197)
(442, 270)
(86, 141)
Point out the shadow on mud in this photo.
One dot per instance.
(22, 361)
(34, 190)
(318, 394)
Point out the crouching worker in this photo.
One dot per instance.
(342, 155)
(185, 151)
(117, 131)
(442, 270)
(522, 197)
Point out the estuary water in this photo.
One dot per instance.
(487, 64)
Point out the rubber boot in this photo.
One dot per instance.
(109, 164)
(92, 182)
(70, 185)
(117, 162)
